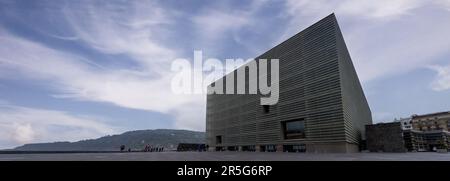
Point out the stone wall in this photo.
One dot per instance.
(385, 137)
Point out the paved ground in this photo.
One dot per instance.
(228, 156)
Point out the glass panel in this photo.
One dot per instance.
(294, 129)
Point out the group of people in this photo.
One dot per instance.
(122, 148)
(192, 147)
(149, 148)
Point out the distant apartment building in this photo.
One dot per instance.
(405, 123)
(431, 122)
(427, 132)
(427, 140)
(430, 132)
(321, 107)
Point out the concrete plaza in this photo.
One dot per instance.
(226, 156)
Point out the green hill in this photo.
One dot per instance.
(135, 140)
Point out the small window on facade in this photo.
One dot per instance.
(218, 139)
(294, 129)
(266, 108)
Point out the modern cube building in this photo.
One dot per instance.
(321, 107)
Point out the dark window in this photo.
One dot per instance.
(249, 148)
(218, 139)
(268, 148)
(294, 148)
(266, 108)
(232, 148)
(294, 129)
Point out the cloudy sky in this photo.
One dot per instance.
(73, 70)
